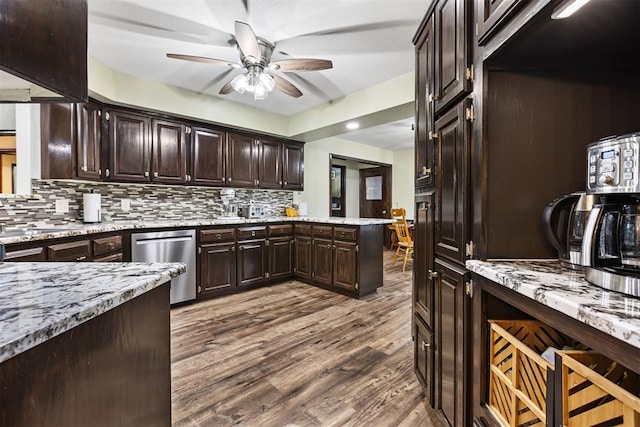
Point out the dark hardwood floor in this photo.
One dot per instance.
(296, 355)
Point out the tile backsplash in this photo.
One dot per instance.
(148, 202)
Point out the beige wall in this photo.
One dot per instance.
(403, 181)
(7, 160)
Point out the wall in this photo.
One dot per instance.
(148, 202)
(403, 180)
(316, 169)
(352, 195)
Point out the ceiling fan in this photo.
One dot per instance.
(255, 57)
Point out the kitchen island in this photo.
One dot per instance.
(85, 343)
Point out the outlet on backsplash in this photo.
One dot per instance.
(125, 205)
(62, 206)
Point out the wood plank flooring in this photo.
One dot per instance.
(295, 355)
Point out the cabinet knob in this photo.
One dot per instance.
(146, 173)
(433, 274)
(218, 236)
(106, 173)
(233, 248)
(433, 97)
(155, 174)
(111, 246)
(253, 234)
(83, 168)
(286, 183)
(433, 135)
(229, 179)
(426, 344)
(426, 171)
(279, 182)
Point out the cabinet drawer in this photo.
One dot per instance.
(107, 245)
(322, 231)
(280, 230)
(303, 230)
(217, 235)
(343, 233)
(117, 257)
(252, 233)
(74, 251)
(30, 255)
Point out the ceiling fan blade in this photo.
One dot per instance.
(226, 89)
(203, 59)
(286, 87)
(301, 64)
(247, 40)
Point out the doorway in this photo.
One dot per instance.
(351, 179)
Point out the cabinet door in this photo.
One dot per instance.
(451, 52)
(208, 149)
(424, 154)
(217, 264)
(57, 128)
(345, 266)
(270, 166)
(280, 257)
(492, 15)
(423, 357)
(451, 331)
(423, 259)
(251, 262)
(169, 149)
(242, 165)
(322, 261)
(451, 183)
(129, 148)
(293, 167)
(302, 267)
(88, 141)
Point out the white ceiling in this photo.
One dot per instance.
(369, 41)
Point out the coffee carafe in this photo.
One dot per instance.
(564, 221)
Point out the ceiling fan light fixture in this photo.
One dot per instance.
(266, 81)
(240, 83)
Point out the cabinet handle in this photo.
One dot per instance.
(83, 169)
(233, 248)
(189, 178)
(426, 171)
(433, 274)
(224, 179)
(286, 183)
(110, 245)
(81, 258)
(218, 236)
(257, 182)
(229, 179)
(146, 173)
(253, 234)
(106, 173)
(426, 344)
(279, 182)
(240, 248)
(155, 174)
(433, 97)
(433, 135)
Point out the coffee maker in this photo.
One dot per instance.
(611, 243)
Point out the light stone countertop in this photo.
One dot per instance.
(78, 229)
(566, 291)
(41, 300)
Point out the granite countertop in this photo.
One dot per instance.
(567, 291)
(68, 230)
(41, 300)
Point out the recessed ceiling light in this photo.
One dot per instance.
(353, 125)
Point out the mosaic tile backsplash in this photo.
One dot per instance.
(147, 202)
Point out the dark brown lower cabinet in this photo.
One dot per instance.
(217, 263)
(345, 265)
(452, 339)
(251, 262)
(26, 255)
(322, 257)
(302, 266)
(280, 257)
(423, 356)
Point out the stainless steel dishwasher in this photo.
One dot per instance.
(170, 246)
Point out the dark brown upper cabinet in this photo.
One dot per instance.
(57, 133)
(425, 90)
(270, 164)
(293, 166)
(242, 160)
(453, 72)
(88, 141)
(491, 15)
(452, 188)
(169, 152)
(45, 43)
(129, 147)
(208, 148)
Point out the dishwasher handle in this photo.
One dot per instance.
(151, 241)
